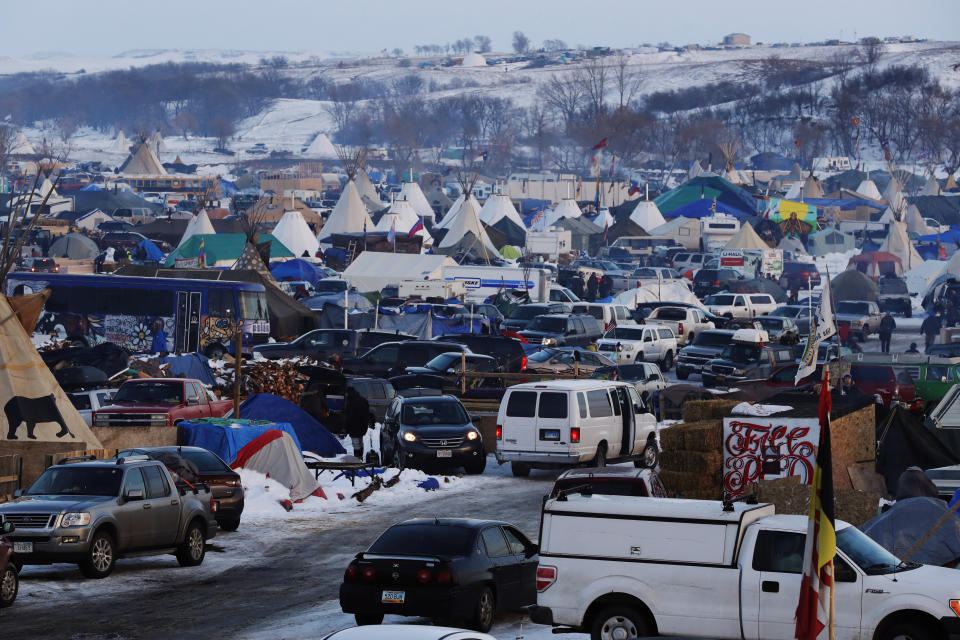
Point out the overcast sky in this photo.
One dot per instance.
(108, 27)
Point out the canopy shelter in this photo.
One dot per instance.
(830, 241)
(709, 187)
(373, 270)
(853, 285)
(222, 249)
(875, 264)
(705, 207)
(296, 235)
(74, 246)
(297, 269)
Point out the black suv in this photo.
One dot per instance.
(705, 347)
(799, 275)
(431, 431)
(392, 358)
(745, 361)
(319, 344)
(580, 330)
(893, 296)
(710, 281)
(508, 352)
(524, 314)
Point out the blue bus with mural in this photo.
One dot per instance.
(148, 315)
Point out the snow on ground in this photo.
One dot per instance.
(834, 263)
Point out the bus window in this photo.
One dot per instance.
(220, 303)
(253, 305)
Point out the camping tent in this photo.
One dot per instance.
(898, 243)
(853, 285)
(92, 219)
(295, 234)
(199, 225)
(297, 269)
(746, 238)
(30, 395)
(348, 216)
(909, 520)
(74, 246)
(647, 215)
(874, 264)
(830, 241)
(372, 270)
(151, 250)
(223, 249)
(313, 436)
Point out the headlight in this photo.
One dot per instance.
(739, 372)
(75, 519)
(409, 437)
(100, 420)
(472, 435)
(548, 342)
(629, 346)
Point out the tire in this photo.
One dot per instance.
(194, 547)
(691, 337)
(214, 351)
(908, 631)
(101, 556)
(649, 457)
(484, 611)
(668, 361)
(519, 469)
(476, 467)
(615, 618)
(600, 460)
(9, 586)
(229, 525)
(366, 619)
(682, 374)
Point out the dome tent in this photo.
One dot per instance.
(74, 246)
(853, 285)
(830, 241)
(473, 60)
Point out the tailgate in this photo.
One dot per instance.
(553, 422)
(519, 422)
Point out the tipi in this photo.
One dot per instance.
(22, 146)
(401, 218)
(120, 143)
(467, 235)
(747, 238)
(695, 170)
(295, 234)
(412, 193)
(499, 213)
(368, 192)
(931, 188)
(142, 162)
(868, 188)
(567, 208)
(321, 147)
(647, 215)
(199, 225)
(898, 243)
(350, 214)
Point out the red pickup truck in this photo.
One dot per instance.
(159, 402)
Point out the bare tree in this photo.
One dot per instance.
(8, 137)
(871, 49)
(565, 94)
(538, 131)
(484, 44)
(554, 45)
(626, 81)
(594, 75)
(223, 129)
(185, 122)
(521, 43)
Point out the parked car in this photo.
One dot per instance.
(431, 431)
(944, 350)
(741, 305)
(319, 344)
(893, 296)
(644, 309)
(708, 281)
(558, 293)
(392, 358)
(405, 632)
(885, 381)
(451, 363)
(782, 330)
(442, 568)
(685, 322)
(523, 315)
(646, 377)
(683, 261)
(369, 338)
(563, 330)
(40, 265)
(509, 353)
(212, 471)
(93, 511)
(589, 583)
(608, 315)
(705, 347)
(561, 360)
(566, 423)
(799, 275)
(646, 343)
(610, 481)
(159, 402)
(862, 316)
(749, 356)
(9, 572)
(799, 313)
(86, 402)
(378, 392)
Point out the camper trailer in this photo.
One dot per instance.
(717, 230)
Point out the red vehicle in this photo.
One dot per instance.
(159, 402)
(889, 383)
(9, 577)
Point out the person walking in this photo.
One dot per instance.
(592, 285)
(887, 325)
(356, 415)
(930, 328)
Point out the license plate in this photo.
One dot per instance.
(394, 597)
(23, 547)
(550, 434)
(444, 453)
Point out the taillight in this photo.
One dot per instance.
(56, 269)
(423, 576)
(231, 483)
(575, 434)
(523, 363)
(680, 329)
(368, 574)
(716, 283)
(213, 505)
(444, 577)
(546, 576)
(352, 573)
(499, 432)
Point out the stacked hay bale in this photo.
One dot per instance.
(691, 465)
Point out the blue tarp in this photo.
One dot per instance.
(226, 441)
(952, 236)
(845, 204)
(190, 365)
(92, 187)
(704, 207)
(153, 252)
(297, 269)
(313, 435)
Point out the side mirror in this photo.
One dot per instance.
(8, 527)
(133, 494)
(18, 493)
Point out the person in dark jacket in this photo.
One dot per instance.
(605, 287)
(930, 328)
(592, 285)
(576, 285)
(887, 325)
(356, 416)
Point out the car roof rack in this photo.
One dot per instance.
(72, 459)
(134, 458)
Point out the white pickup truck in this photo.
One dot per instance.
(740, 305)
(640, 343)
(627, 567)
(686, 322)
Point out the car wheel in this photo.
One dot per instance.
(194, 547)
(214, 351)
(668, 361)
(649, 457)
(229, 525)
(9, 586)
(476, 467)
(100, 557)
(519, 469)
(600, 460)
(682, 374)
(484, 611)
(365, 619)
(618, 622)
(909, 631)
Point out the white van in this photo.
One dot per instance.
(607, 313)
(563, 423)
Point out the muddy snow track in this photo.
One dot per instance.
(146, 598)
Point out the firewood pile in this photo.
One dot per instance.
(278, 377)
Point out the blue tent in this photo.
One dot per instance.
(704, 207)
(190, 365)
(226, 440)
(153, 252)
(297, 269)
(92, 187)
(951, 236)
(313, 435)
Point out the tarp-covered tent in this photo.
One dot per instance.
(707, 187)
(297, 269)
(906, 442)
(791, 243)
(853, 285)
(874, 264)
(349, 215)
(830, 241)
(190, 365)
(907, 521)
(226, 437)
(198, 225)
(654, 292)
(223, 249)
(151, 251)
(746, 238)
(313, 436)
(372, 270)
(35, 408)
(761, 285)
(74, 246)
(296, 235)
(703, 207)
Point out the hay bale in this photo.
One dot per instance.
(698, 462)
(705, 435)
(697, 410)
(791, 497)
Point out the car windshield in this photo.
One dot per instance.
(430, 539)
(862, 373)
(206, 461)
(741, 353)
(710, 339)
(548, 325)
(544, 356)
(78, 481)
(253, 305)
(719, 300)
(444, 361)
(626, 333)
(419, 414)
(631, 372)
(770, 323)
(150, 392)
(853, 307)
(526, 313)
(867, 554)
(670, 313)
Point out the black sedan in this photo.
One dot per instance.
(319, 344)
(448, 569)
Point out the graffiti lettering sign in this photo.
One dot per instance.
(762, 449)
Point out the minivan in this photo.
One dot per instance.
(566, 423)
(608, 314)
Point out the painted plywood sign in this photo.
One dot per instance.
(766, 448)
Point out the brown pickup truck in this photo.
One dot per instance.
(159, 402)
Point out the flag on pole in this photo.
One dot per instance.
(606, 228)
(416, 227)
(814, 610)
(821, 328)
(392, 234)
(202, 258)
(634, 188)
(600, 145)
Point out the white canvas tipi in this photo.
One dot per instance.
(120, 143)
(401, 217)
(497, 207)
(454, 211)
(647, 215)
(931, 188)
(868, 188)
(348, 216)
(199, 225)
(747, 238)
(368, 192)
(898, 243)
(21, 146)
(295, 234)
(695, 170)
(412, 193)
(466, 234)
(143, 162)
(321, 147)
(567, 208)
